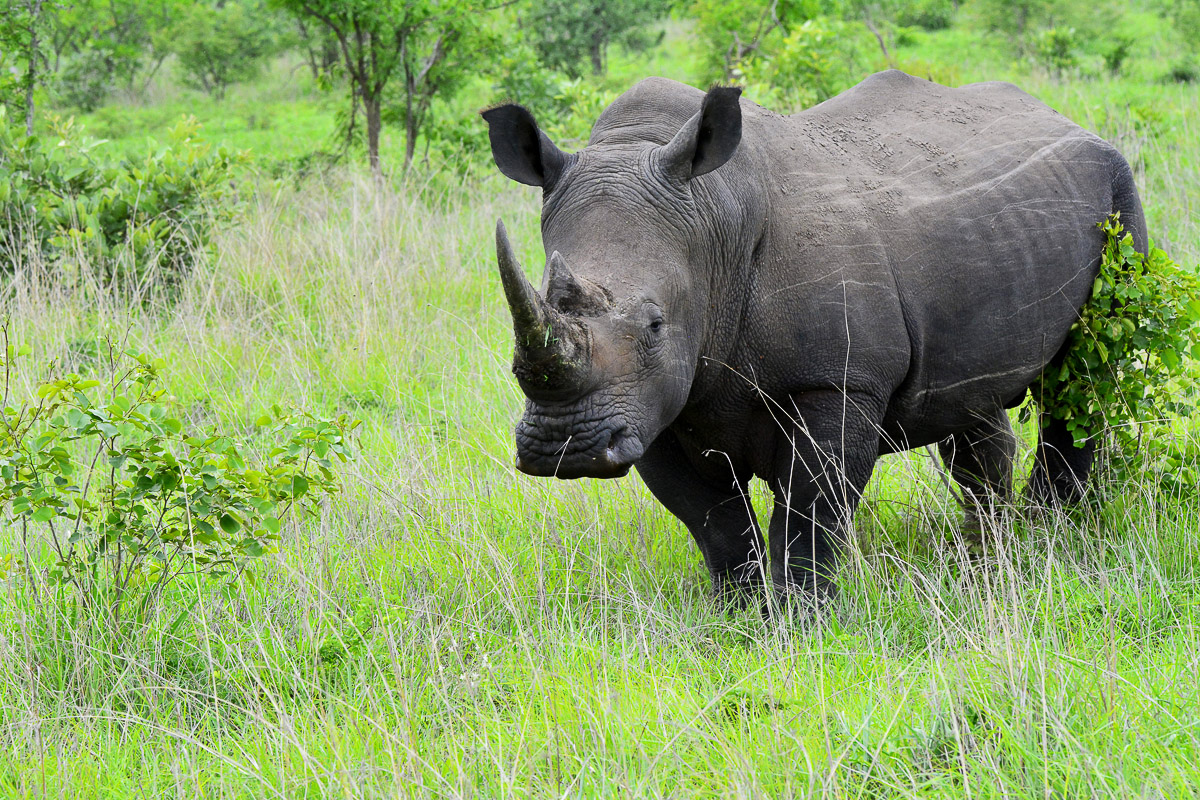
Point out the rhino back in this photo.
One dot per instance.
(934, 244)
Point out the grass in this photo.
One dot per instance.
(451, 628)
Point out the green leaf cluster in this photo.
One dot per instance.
(812, 62)
(733, 31)
(128, 499)
(129, 223)
(1130, 360)
(573, 35)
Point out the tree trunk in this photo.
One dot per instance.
(31, 75)
(309, 49)
(372, 105)
(419, 90)
(597, 55)
(158, 61)
(410, 132)
(874, 29)
(30, 82)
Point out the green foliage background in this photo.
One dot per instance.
(444, 626)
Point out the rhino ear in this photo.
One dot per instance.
(520, 149)
(707, 140)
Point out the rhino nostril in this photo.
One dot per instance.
(612, 449)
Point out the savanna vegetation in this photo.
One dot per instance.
(262, 535)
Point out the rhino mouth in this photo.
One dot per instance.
(558, 446)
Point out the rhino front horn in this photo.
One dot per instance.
(551, 355)
(529, 311)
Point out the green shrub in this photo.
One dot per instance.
(573, 35)
(813, 62)
(521, 77)
(1055, 49)
(932, 15)
(131, 223)
(1184, 70)
(1116, 54)
(107, 477)
(1129, 365)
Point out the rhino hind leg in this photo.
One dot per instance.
(980, 459)
(1060, 469)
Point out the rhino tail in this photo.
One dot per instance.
(1125, 200)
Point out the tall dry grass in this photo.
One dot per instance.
(450, 628)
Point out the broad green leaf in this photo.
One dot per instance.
(44, 514)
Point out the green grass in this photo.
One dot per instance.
(452, 628)
(281, 116)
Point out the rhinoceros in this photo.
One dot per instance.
(730, 292)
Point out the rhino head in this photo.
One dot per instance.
(607, 350)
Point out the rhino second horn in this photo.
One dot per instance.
(552, 349)
(567, 292)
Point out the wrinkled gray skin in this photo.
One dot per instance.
(736, 293)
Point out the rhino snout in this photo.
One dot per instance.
(606, 452)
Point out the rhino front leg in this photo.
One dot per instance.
(823, 463)
(716, 509)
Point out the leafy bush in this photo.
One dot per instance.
(128, 500)
(732, 31)
(1116, 53)
(813, 62)
(932, 15)
(133, 223)
(521, 77)
(10, 83)
(1128, 365)
(565, 107)
(1184, 70)
(574, 35)
(1055, 49)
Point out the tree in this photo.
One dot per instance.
(1185, 17)
(460, 51)
(222, 45)
(569, 33)
(320, 47)
(98, 45)
(1014, 17)
(813, 62)
(1023, 21)
(425, 41)
(22, 33)
(734, 30)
